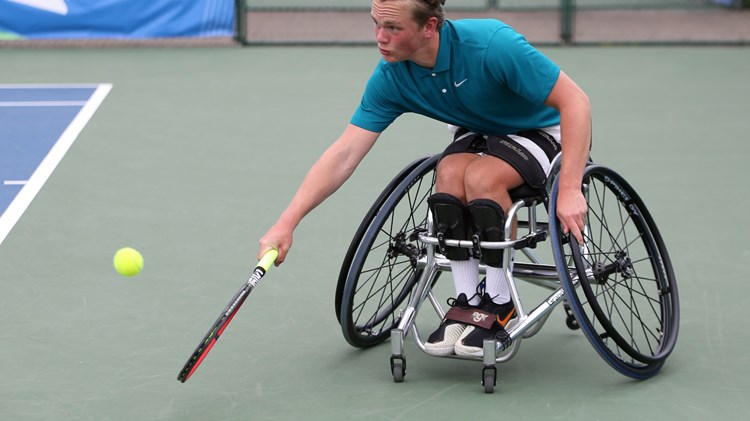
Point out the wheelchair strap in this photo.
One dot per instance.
(513, 151)
(488, 219)
(471, 316)
(451, 217)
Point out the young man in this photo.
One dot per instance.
(512, 110)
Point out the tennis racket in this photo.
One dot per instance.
(226, 316)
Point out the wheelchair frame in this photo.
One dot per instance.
(581, 277)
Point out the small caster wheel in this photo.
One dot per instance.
(398, 368)
(572, 323)
(489, 379)
(570, 320)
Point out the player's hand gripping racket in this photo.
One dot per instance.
(226, 316)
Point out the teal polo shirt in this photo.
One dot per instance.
(487, 78)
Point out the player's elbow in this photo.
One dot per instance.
(342, 161)
(576, 103)
(584, 103)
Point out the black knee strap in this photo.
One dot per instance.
(451, 219)
(489, 219)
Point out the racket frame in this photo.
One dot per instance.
(226, 316)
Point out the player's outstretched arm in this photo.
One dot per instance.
(329, 173)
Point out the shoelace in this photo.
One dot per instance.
(454, 301)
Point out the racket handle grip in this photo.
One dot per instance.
(268, 259)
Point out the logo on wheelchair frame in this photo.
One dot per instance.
(559, 294)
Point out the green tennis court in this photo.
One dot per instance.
(194, 153)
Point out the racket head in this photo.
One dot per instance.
(208, 342)
(195, 360)
(226, 316)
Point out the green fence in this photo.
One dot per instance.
(541, 21)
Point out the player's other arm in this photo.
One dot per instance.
(331, 170)
(575, 124)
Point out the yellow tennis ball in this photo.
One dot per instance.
(128, 262)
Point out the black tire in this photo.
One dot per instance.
(383, 269)
(620, 284)
(366, 222)
(489, 379)
(398, 369)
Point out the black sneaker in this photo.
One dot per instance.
(471, 342)
(442, 341)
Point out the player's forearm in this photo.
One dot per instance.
(323, 179)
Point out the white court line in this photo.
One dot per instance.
(15, 182)
(54, 156)
(47, 86)
(42, 103)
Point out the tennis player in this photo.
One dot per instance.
(511, 110)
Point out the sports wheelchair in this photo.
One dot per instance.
(618, 287)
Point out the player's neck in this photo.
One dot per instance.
(427, 55)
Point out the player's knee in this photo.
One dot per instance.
(479, 183)
(450, 178)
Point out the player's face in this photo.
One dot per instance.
(399, 37)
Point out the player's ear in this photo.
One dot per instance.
(430, 28)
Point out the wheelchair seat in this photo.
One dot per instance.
(527, 193)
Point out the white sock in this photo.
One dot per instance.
(466, 278)
(497, 285)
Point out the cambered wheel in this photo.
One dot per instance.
(383, 268)
(364, 225)
(620, 283)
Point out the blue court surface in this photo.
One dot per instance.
(38, 123)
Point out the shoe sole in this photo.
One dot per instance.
(445, 348)
(467, 351)
(439, 352)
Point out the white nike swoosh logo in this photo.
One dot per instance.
(457, 84)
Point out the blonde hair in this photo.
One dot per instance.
(423, 10)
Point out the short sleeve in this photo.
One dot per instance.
(378, 107)
(520, 66)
